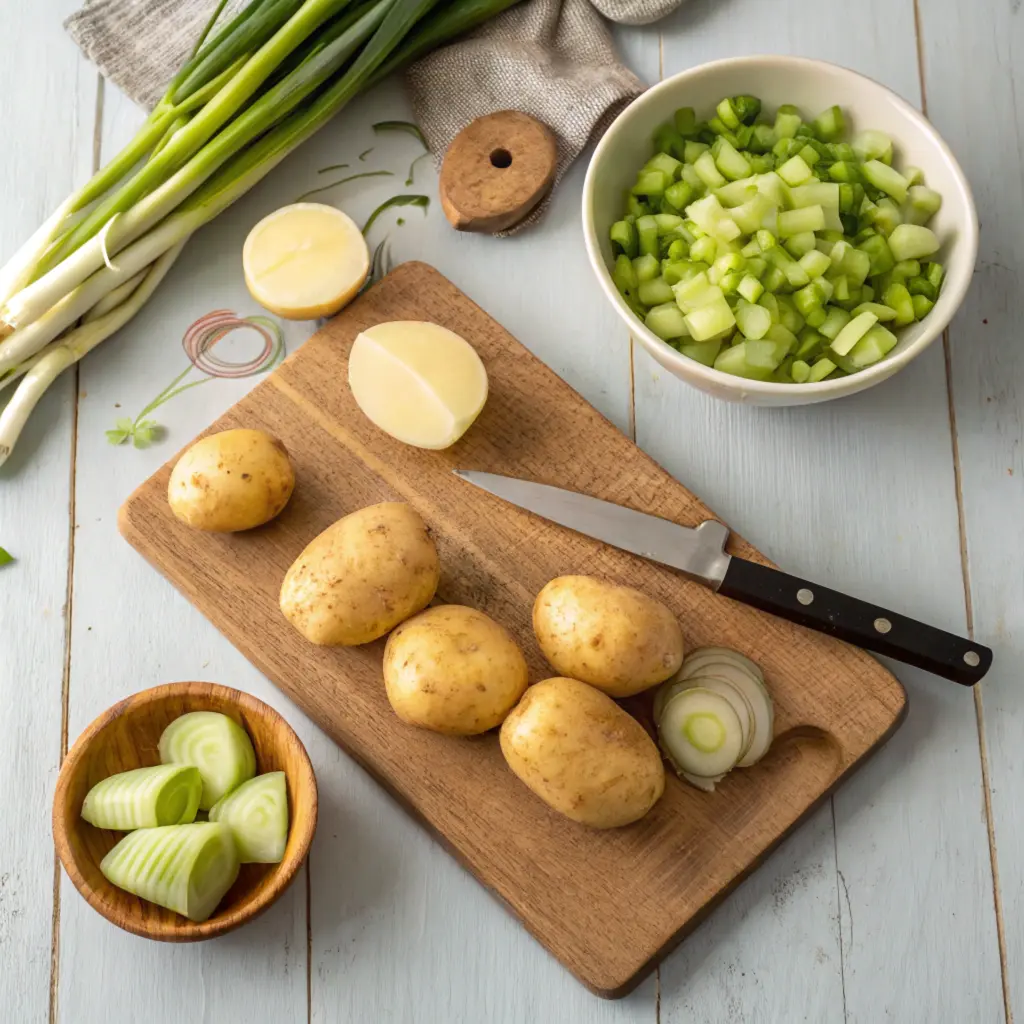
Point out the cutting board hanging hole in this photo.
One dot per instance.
(497, 169)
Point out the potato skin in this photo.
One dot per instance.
(454, 670)
(582, 754)
(231, 481)
(612, 637)
(362, 576)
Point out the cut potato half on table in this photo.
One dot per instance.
(305, 261)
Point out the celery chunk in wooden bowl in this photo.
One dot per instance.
(779, 231)
(194, 852)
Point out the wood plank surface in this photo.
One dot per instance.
(859, 492)
(45, 113)
(644, 885)
(979, 115)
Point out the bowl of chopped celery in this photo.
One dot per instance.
(184, 811)
(777, 230)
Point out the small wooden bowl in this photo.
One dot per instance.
(125, 737)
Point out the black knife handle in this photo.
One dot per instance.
(856, 622)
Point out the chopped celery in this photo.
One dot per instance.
(872, 145)
(695, 292)
(787, 120)
(667, 222)
(922, 286)
(668, 165)
(750, 288)
(771, 303)
(879, 253)
(693, 151)
(706, 167)
(710, 319)
(800, 371)
(669, 142)
(875, 345)
(623, 235)
(651, 183)
(761, 355)
(702, 351)
(167, 794)
(922, 306)
(756, 266)
(675, 271)
(729, 161)
(820, 370)
(912, 242)
(815, 263)
(809, 344)
(737, 192)
(685, 121)
(853, 332)
(807, 298)
(898, 298)
(678, 249)
(830, 124)
(819, 193)
(752, 320)
(750, 217)
(914, 175)
(923, 204)
(795, 172)
(774, 279)
(667, 322)
(762, 138)
(784, 340)
(257, 814)
(883, 313)
(886, 216)
(809, 155)
(655, 292)
(800, 244)
(906, 269)
(646, 268)
(789, 316)
(733, 360)
(680, 194)
(934, 272)
(624, 276)
(816, 317)
(884, 177)
(647, 234)
(704, 250)
(636, 207)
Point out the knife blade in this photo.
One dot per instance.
(699, 554)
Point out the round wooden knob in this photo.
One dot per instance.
(497, 169)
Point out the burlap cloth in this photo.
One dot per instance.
(553, 59)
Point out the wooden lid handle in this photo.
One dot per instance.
(497, 169)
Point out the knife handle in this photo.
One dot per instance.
(856, 622)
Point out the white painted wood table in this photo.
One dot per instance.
(901, 900)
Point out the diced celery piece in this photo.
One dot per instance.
(747, 107)
(766, 240)
(783, 338)
(818, 193)
(704, 250)
(651, 183)
(685, 121)
(727, 115)
(885, 178)
(845, 171)
(830, 124)
(726, 264)
(750, 288)
(879, 252)
(793, 222)
(912, 242)
(809, 344)
(886, 216)
(795, 172)
(710, 319)
(841, 288)
(899, 299)
(934, 272)
(753, 321)
(856, 265)
(667, 222)
(867, 293)
(730, 283)
(816, 317)
(875, 345)
(712, 218)
(820, 370)
(922, 286)
(906, 269)
(853, 332)
(771, 303)
(624, 276)
(756, 265)
(789, 315)
(733, 360)
(647, 267)
(720, 128)
(914, 175)
(655, 292)
(693, 179)
(680, 194)
(669, 142)
(678, 249)
(809, 155)
(800, 244)
(922, 306)
(815, 263)
(681, 270)
(806, 298)
(796, 276)
(750, 217)
(883, 313)
(762, 138)
(772, 187)
(851, 197)
(922, 204)
(694, 150)
(667, 321)
(701, 351)
(665, 163)
(873, 145)
(706, 167)
(737, 192)
(729, 161)
(761, 355)
(636, 207)
(695, 292)
(774, 279)
(800, 371)
(623, 236)
(787, 120)
(647, 234)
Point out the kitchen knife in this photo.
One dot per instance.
(699, 553)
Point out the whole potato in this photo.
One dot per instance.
(582, 754)
(362, 576)
(612, 637)
(231, 481)
(454, 670)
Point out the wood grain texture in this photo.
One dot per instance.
(533, 426)
(979, 115)
(858, 494)
(45, 113)
(127, 635)
(127, 736)
(496, 170)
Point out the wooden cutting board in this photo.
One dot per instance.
(608, 905)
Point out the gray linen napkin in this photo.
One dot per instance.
(553, 59)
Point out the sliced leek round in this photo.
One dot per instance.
(185, 868)
(700, 733)
(217, 745)
(166, 794)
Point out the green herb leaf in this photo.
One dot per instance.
(342, 181)
(117, 436)
(401, 126)
(412, 167)
(5, 557)
(421, 201)
(333, 167)
(125, 423)
(365, 153)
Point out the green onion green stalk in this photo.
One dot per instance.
(252, 91)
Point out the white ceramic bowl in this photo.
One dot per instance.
(813, 86)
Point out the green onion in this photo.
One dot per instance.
(5, 557)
